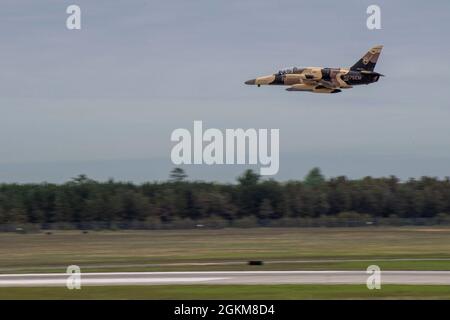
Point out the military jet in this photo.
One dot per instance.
(325, 80)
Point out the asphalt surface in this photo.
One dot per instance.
(225, 277)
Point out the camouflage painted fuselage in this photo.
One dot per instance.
(325, 80)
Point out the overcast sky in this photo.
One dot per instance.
(104, 100)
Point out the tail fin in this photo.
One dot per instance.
(369, 60)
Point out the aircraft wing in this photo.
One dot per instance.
(313, 88)
(322, 83)
(310, 82)
(301, 87)
(327, 84)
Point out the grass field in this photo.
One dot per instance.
(245, 292)
(406, 248)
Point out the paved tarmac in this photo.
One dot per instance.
(226, 277)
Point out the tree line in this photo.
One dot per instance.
(82, 200)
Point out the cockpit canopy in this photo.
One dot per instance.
(290, 70)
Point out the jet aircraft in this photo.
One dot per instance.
(325, 80)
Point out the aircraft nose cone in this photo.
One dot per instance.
(252, 81)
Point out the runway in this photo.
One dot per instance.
(226, 277)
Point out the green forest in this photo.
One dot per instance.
(84, 203)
